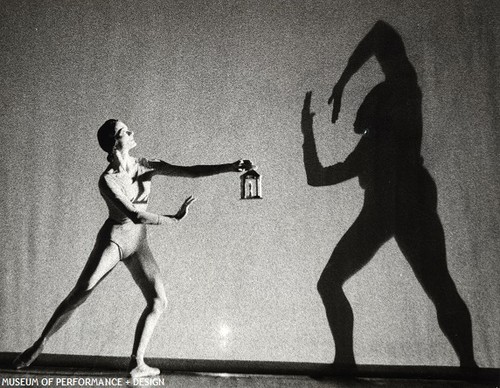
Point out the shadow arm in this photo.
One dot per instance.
(383, 42)
(317, 174)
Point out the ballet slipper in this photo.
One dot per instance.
(143, 370)
(26, 358)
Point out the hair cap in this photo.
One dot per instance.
(106, 135)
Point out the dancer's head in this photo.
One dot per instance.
(115, 135)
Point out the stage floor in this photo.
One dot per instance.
(70, 377)
(65, 371)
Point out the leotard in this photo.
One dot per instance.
(127, 199)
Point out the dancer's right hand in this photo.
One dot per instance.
(184, 208)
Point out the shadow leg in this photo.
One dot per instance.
(423, 244)
(352, 253)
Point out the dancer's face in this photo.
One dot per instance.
(124, 137)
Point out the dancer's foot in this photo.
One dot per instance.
(344, 368)
(344, 365)
(26, 358)
(469, 365)
(141, 369)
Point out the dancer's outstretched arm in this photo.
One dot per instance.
(163, 168)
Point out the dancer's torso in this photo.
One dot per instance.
(390, 166)
(119, 228)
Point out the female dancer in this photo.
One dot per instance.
(125, 186)
(400, 195)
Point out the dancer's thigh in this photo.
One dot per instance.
(146, 273)
(358, 245)
(101, 261)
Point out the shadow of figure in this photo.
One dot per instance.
(400, 196)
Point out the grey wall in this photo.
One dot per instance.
(211, 82)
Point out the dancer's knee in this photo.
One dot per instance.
(330, 283)
(158, 304)
(443, 294)
(448, 305)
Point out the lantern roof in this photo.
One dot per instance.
(250, 174)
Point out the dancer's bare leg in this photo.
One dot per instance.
(146, 274)
(101, 261)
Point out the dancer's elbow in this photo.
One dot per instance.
(315, 180)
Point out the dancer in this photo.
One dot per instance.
(125, 186)
(400, 196)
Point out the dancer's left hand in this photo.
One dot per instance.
(184, 208)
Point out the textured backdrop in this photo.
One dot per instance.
(211, 82)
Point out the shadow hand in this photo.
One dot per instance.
(307, 115)
(336, 99)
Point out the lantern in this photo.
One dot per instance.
(250, 185)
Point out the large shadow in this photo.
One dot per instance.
(400, 196)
